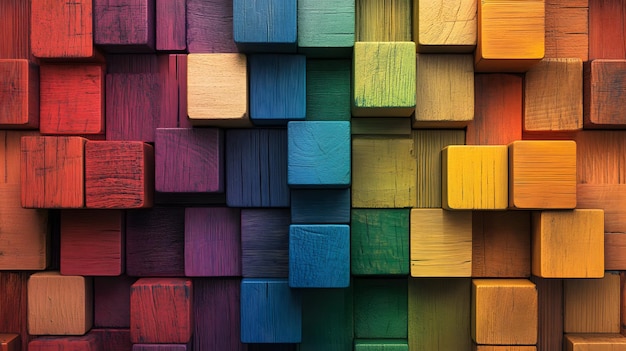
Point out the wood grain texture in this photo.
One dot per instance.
(550, 310)
(161, 311)
(320, 206)
(604, 85)
(553, 99)
(111, 301)
(19, 94)
(326, 28)
(445, 26)
(380, 344)
(567, 29)
(89, 342)
(441, 243)
(265, 25)
(59, 305)
(163, 347)
(124, 25)
(393, 126)
(265, 243)
(15, 23)
(383, 76)
(498, 302)
(592, 305)
(10, 342)
(622, 301)
(609, 197)
(171, 26)
(10, 153)
(210, 26)
(614, 250)
(606, 29)
(598, 156)
(387, 20)
(380, 308)
(113, 339)
(328, 90)
(503, 348)
(332, 308)
(13, 303)
(592, 342)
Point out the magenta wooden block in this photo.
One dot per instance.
(124, 25)
(210, 26)
(212, 242)
(112, 301)
(161, 347)
(113, 339)
(265, 243)
(171, 31)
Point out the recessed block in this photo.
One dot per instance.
(161, 347)
(550, 311)
(320, 206)
(14, 302)
(170, 23)
(380, 345)
(609, 197)
(265, 25)
(89, 342)
(10, 342)
(383, 79)
(210, 26)
(10, 154)
(606, 29)
(592, 305)
(124, 25)
(16, 26)
(380, 308)
(19, 94)
(325, 28)
(444, 27)
(502, 348)
(113, 339)
(597, 154)
(265, 243)
(332, 308)
(595, 342)
(328, 90)
(383, 21)
(111, 301)
(605, 83)
(567, 29)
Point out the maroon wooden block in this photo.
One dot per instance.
(15, 29)
(124, 25)
(550, 306)
(162, 347)
(13, 305)
(19, 94)
(88, 342)
(210, 26)
(112, 301)
(161, 311)
(171, 29)
(265, 243)
(604, 93)
(113, 339)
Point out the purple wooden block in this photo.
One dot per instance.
(189, 160)
(171, 31)
(124, 25)
(210, 26)
(112, 301)
(155, 242)
(113, 339)
(161, 347)
(212, 242)
(265, 243)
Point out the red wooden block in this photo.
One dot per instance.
(113, 339)
(89, 342)
(13, 305)
(210, 26)
(14, 26)
(124, 25)
(604, 93)
(10, 146)
(112, 301)
(19, 94)
(52, 172)
(161, 311)
(171, 28)
(10, 342)
(72, 100)
(607, 29)
(119, 174)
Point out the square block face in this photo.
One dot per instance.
(605, 82)
(504, 312)
(595, 342)
(592, 305)
(542, 174)
(380, 308)
(271, 312)
(19, 94)
(265, 243)
(474, 177)
(328, 89)
(380, 345)
(318, 154)
(388, 21)
(124, 25)
(319, 256)
(217, 90)
(441, 26)
(383, 79)
(259, 24)
(325, 24)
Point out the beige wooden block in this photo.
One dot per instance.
(595, 342)
(444, 26)
(592, 305)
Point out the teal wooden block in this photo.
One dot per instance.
(318, 154)
(380, 242)
(319, 256)
(326, 27)
(381, 345)
(265, 25)
(328, 90)
(327, 319)
(380, 308)
(320, 206)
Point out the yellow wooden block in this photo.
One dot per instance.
(592, 305)
(441, 243)
(444, 26)
(542, 174)
(595, 342)
(568, 244)
(511, 35)
(503, 348)
(383, 20)
(504, 312)
(383, 172)
(445, 91)
(217, 90)
(474, 177)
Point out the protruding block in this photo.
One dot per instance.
(606, 29)
(474, 177)
(441, 243)
(210, 26)
(567, 29)
(444, 27)
(542, 174)
(319, 256)
(595, 342)
(171, 29)
(605, 82)
(161, 311)
(111, 301)
(89, 342)
(10, 342)
(332, 308)
(504, 312)
(380, 308)
(328, 89)
(325, 28)
(320, 206)
(265, 243)
(592, 305)
(59, 304)
(383, 79)
(265, 25)
(19, 94)
(124, 25)
(271, 312)
(383, 20)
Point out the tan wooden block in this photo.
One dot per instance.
(445, 91)
(383, 20)
(595, 342)
(10, 342)
(504, 312)
(441, 243)
(567, 29)
(503, 348)
(609, 197)
(592, 305)
(444, 26)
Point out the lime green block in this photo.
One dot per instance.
(328, 90)
(326, 28)
(380, 242)
(380, 308)
(384, 79)
(380, 345)
(327, 320)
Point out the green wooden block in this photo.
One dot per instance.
(328, 90)
(384, 79)
(327, 319)
(381, 345)
(380, 308)
(380, 242)
(326, 27)
(439, 314)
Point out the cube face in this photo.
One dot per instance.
(389, 22)
(325, 24)
(603, 79)
(266, 25)
(591, 305)
(19, 94)
(265, 243)
(441, 28)
(328, 90)
(380, 308)
(125, 25)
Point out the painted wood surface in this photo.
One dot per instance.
(265, 25)
(265, 243)
(596, 154)
(444, 26)
(503, 348)
(10, 342)
(332, 308)
(19, 94)
(170, 25)
(380, 344)
(326, 28)
(124, 25)
(320, 206)
(594, 341)
(328, 89)
(159, 347)
(550, 313)
(113, 339)
(380, 308)
(604, 84)
(589, 305)
(606, 29)
(10, 154)
(111, 301)
(89, 342)
(210, 26)
(614, 249)
(14, 303)
(609, 197)
(379, 126)
(567, 29)
(387, 20)
(15, 23)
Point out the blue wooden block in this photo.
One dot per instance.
(271, 312)
(265, 25)
(319, 256)
(320, 206)
(265, 242)
(277, 88)
(256, 168)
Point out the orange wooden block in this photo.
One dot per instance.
(15, 26)
(502, 348)
(550, 306)
(10, 342)
(592, 305)
(567, 29)
(604, 91)
(19, 94)
(609, 197)
(600, 157)
(607, 29)
(10, 146)
(615, 251)
(595, 342)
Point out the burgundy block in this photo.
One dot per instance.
(210, 26)
(171, 31)
(161, 347)
(88, 342)
(113, 339)
(265, 243)
(124, 25)
(112, 301)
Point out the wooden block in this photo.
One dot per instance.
(265, 25)
(383, 79)
(595, 342)
(270, 312)
(124, 25)
(511, 35)
(52, 173)
(474, 177)
(380, 345)
(332, 308)
(15, 24)
(170, 23)
(605, 81)
(277, 87)
(113, 339)
(445, 91)
(161, 311)
(504, 312)
(319, 256)
(161, 347)
(609, 197)
(598, 155)
(379, 242)
(568, 244)
(428, 145)
(439, 314)
(217, 90)
(542, 174)
(320, 206)
(72, 99)
(550, 311)
(441, 243)
(155, 242)
(10, 153)
(111, 301)
(325, 28)
(383, 172)
(387, 20)
(265, 243)
(327, 89)
(606, 29)
(622, 276)
(189, 160)
(19, 94)
(503, 348)
(614, 250)
(119, 174)
(567, 29)
(256, 168)
(210, 26)
(13, 303)
(497, 110)
(553, 99)
(393, 126)
(59, 304)
(212, 242)
(380, 308)
(89, 342)
(10, 342)
(592, 305)
(443, 27)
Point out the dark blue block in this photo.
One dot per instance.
(265, 242)
(320, 206)
(277, 89)
(265, 25)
